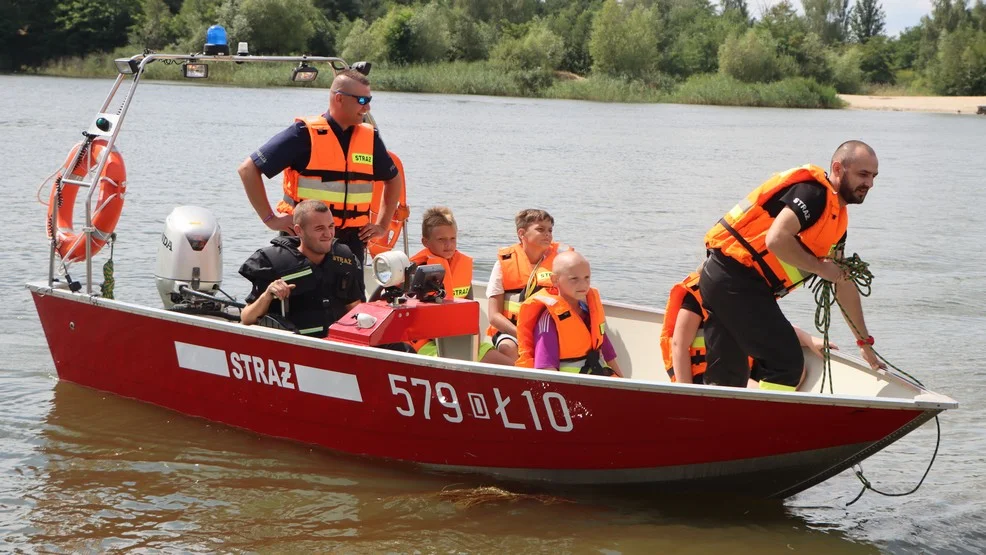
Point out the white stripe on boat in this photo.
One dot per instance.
(327, 383)
(202, 359)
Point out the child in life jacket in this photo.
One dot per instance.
(439, 236)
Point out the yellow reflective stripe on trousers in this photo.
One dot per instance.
(792, 272)
(309, 331)
(296, 275)
(776, 386)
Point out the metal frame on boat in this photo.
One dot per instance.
(463, 416)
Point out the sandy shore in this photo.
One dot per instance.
(949, 104)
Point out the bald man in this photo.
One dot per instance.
(334, 158)
(787, 230)
(563, 327)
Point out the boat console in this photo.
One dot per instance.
(409, 306)
(453, 323)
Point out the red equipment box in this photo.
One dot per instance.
(409, 321)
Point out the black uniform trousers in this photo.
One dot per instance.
(745, 320)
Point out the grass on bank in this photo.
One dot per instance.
(485, 78)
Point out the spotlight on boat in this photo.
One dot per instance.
(304, 73)
(362, 67)
(215, 41)
(390, 268)
(191, 70)
(126, 66)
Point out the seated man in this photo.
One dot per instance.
(683, 340)
(520, 271)
(550, 338)
(319, 276)
(439, 234)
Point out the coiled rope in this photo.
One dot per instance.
(857, 272)
(106, 287)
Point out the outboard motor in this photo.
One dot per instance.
(190, 257)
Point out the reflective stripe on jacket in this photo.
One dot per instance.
(343, 181)
(742, 233)
(575, 340)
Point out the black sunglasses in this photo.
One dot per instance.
(363, 100)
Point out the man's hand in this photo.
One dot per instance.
(279, 289)
(830, 271)
(817, 344)
(870, 357)
(281, 222)
(371, 231)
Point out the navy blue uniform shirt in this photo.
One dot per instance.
(293, 148)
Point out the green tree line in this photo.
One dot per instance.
(654, 43)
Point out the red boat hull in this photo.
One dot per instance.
(518, 424)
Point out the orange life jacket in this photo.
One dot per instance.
(520, 281)
(742, 233)
(575, 340)
(343, 181)
(458, 273)
(697, 349)
(457, 283)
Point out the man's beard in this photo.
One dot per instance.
(848, 190)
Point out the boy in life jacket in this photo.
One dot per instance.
(439, 235)
(564, 327)
(520, 270)
(683, 337)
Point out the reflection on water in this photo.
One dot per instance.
(123, 474)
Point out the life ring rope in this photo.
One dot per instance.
(112, 185)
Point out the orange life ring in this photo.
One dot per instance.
(112, 185)
(387, 242)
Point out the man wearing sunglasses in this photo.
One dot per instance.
(334, 158)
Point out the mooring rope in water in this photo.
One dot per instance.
(858, 273)
(867, 485)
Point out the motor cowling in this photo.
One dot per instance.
(190, 253)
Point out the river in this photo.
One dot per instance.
(634, 187)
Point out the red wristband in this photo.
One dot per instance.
(269, 217)
(863, 342)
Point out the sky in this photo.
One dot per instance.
(901, 14)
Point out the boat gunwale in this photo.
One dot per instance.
(929, 399)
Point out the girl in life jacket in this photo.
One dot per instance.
(564, 327)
